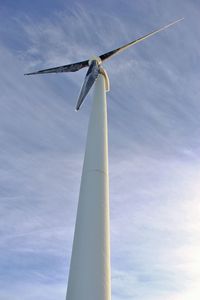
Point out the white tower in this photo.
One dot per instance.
(89, 276)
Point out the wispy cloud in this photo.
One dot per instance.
(154, 150)
(155, 228)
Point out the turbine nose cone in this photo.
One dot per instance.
(95, 58)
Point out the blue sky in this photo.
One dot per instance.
(154, 146)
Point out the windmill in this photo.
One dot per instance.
(89, 275)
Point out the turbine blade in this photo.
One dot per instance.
(89, 80)
(118, 50)
(66, 68)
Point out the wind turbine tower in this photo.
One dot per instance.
(89, 276)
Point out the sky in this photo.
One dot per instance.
(154, 145)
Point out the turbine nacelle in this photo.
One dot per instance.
(103, 72)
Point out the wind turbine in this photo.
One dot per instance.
(89, 275)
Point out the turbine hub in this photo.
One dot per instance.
(96, 58)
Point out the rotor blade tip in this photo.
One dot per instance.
(27, 74)
(181, 19)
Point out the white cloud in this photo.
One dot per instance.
(154, 150)
(155, 227)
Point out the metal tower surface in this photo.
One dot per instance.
(89, 276)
